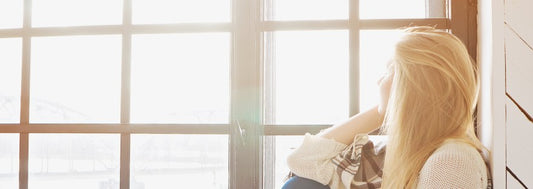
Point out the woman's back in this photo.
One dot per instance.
(454, 165)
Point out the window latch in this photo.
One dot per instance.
(242, 133)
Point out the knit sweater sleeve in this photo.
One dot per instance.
(312, 159)
(454, 165)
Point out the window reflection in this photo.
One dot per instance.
(75, 79)
(310, 77)
(10, 76)
(83, 161)
(187, 161)
(9, 160)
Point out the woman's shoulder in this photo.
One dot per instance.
(457, 149)
(454, 164)
(456, 155)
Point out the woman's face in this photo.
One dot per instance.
(385, 83)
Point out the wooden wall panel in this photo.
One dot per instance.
(519, 16)
(519, 131)
(512, 183)
(519, 70)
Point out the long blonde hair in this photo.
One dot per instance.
(433, 97)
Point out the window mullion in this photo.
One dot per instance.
(354, 57)
(125, 137)
(25, 96)
(246, 88)
(269, 103)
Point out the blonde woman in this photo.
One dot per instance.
(428, 97)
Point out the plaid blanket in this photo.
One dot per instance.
(360, 165)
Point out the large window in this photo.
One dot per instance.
(147, 94)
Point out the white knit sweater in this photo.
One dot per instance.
(453, 165)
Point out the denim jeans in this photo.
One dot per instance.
(297, 182)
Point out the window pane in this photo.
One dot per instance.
(180, 11)
(284, 146)
(82, 161)
(76, 12)
(11, 13)
(75, 79)
(9, 160)
(306, 9)
(180, 78)
(376, 49)
(387, 9)
(187, 161)
(10, 77)
(310, 76)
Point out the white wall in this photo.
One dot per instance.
(492, 100)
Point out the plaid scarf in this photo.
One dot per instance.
(360, 165)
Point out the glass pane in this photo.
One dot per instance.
(180, 11)
(376, 49)
(11, 13)
(310, 76)
(9, 160)
(179, 161)
(10, 79)
(284, 146)
(306, 9)
(180, 78)
(76, 12)
(75, 79)
(387, 9)
(82, 161)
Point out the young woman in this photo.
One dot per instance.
(428, 97)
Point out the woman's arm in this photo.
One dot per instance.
(312, 159)
(363, 122)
